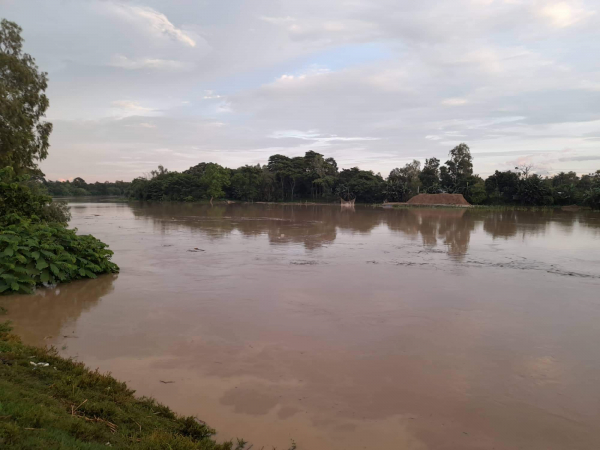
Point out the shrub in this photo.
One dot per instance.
(34, 254)
(28, 200)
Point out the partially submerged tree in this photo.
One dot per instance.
(23, 133)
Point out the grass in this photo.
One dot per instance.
(64, 405)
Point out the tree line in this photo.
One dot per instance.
(313, 177)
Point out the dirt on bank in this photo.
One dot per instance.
(439, 199)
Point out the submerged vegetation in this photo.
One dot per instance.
(50, 402)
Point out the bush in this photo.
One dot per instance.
(28, 200)
(35, 254)
(35, 247)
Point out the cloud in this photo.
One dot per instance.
(565, 14)
(130, 105)
(156, 22)
(581, 158)
(209, 94)
(454, 101)
(371, 83)
(147, 63)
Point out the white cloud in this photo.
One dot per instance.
(565, 14)
(382, 81)
(130, 105)
(277, 20)
(156, 22)
(147, 63)
(454, 101)
(210, 95)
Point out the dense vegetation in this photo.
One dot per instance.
(49, 402)
(316, 178)
(79, 188)
(36, 248)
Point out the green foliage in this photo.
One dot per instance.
(65, 405)
(214, 180)
(362, 185)
(455, 175)
(23, 134)
(591, 195)
(23, 199)
(317, 178)
(80, 188)
(502, 187)
(246, 183)
(475, 192)
(404, 183)
(534, 190)
(430, 176)
(34, 254)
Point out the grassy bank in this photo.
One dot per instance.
(48, 402)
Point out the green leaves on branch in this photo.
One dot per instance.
(23, 133)
(33, 254)
(20, 197)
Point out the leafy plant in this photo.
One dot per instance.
(34, 254)
(20, 196)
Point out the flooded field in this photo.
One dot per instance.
(344, 328)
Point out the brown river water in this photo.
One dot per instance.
(341, 328)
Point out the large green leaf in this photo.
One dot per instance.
(45, 276)
(41, 264)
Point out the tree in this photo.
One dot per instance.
(215, 178)
(565, 188)
(296, 172)
(430, 176)
(534, 190)
(458, 168)
(362, 185)
(591, 195)
(502, 187)
(23, 133)
(404, 183)
(246, 182)
(280, 166)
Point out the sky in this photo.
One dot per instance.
(372, 83)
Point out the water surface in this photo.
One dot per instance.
(344, 328)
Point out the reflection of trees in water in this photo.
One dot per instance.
(452, 226)
(507, 224)
(315, 225)
(49, 309)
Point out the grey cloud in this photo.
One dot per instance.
(580, 158)
(505, 77)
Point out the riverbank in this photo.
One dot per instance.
(47, 401)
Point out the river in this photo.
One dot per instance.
(343, 328)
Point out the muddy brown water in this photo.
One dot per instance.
(344, 328)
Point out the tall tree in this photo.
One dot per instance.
(23, 133)
(455, 175)
(430, 175)
(404, 183)
(215, 179)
